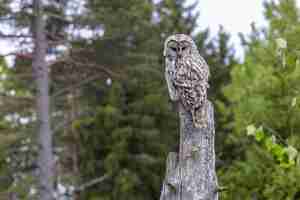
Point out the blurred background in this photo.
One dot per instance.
(111, 121)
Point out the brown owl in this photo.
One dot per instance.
(187, 75)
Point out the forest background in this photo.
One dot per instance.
(109, 122)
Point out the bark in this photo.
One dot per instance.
(191, 174)
(41, 74)
(13, 196)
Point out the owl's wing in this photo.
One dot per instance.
(201, 68)
(191, 81)
(169, 73)
(200, 85)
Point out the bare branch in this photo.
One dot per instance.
(4, 96)
(56, 16)
(58, 42)
(102, 68)
(86, 81)
(7, 36)
(9, 54)
(92, 183)
(7, 18)
(17, 77)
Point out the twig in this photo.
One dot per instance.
(2, 35)
(60, 17)
(86, 81)
(102, 68)
(9, 54)
(7, 18)
(24, 55)
(11, 98)
(222, 189)
(69, 60)
(59, 42)
(91, 183)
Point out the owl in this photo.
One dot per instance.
(187, 73)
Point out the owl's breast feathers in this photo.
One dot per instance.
(190, 80)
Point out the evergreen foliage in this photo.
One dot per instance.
(132, 125)
(121, 123)
(264, 92)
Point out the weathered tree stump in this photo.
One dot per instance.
(191, 175)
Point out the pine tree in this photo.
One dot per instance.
(28, 24)
(112, 121)
(264, 92)
(133, 125)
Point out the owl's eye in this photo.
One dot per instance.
(184, 48)
(173, 48)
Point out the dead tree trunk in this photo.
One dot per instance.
(191, 175)
(41, 74)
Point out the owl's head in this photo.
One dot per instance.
(178, 46)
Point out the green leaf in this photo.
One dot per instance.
(286, 165)
(251, 129)
(298, 160)
(294, 101)
(281, 43)
(278, 152)
(259, 135)
(269, 143)
(292, 152)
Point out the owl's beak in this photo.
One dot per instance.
(179, 53)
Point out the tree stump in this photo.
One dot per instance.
(191, 175)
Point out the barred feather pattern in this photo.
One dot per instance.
(189, 79)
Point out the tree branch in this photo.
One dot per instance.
(7, 18)
(24, 55)
(56, 16)
(78, 85)
(11, 98)
(3, 35)
(102, 68)
(92, 183)
(9, 54)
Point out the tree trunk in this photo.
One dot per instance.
(41, 74)
(13, 196)
(191, 175)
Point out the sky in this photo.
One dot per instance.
(234, 15)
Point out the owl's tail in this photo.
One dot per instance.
(200, 118)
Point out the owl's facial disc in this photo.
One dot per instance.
(177, 50)
(172, 50)
(173, 45)
(184, 48)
